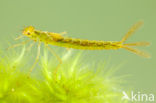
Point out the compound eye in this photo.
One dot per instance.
(28, 33)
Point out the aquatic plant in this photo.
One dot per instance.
(74, 82)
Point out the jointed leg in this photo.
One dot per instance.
(58, 58)
(30, 46)
(19, 37)
(19, 44)
(37, 58)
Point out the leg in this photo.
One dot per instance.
(37, 58)
(19, 44)
(30, 46)
(19, 37)
(58, 58)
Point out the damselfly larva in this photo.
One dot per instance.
(58, 39)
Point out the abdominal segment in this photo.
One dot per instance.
(85, 44)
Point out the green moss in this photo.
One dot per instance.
(75, 82)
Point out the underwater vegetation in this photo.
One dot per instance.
(75, 82)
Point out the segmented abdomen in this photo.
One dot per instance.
(86, 44)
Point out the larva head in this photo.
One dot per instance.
(28, 31)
